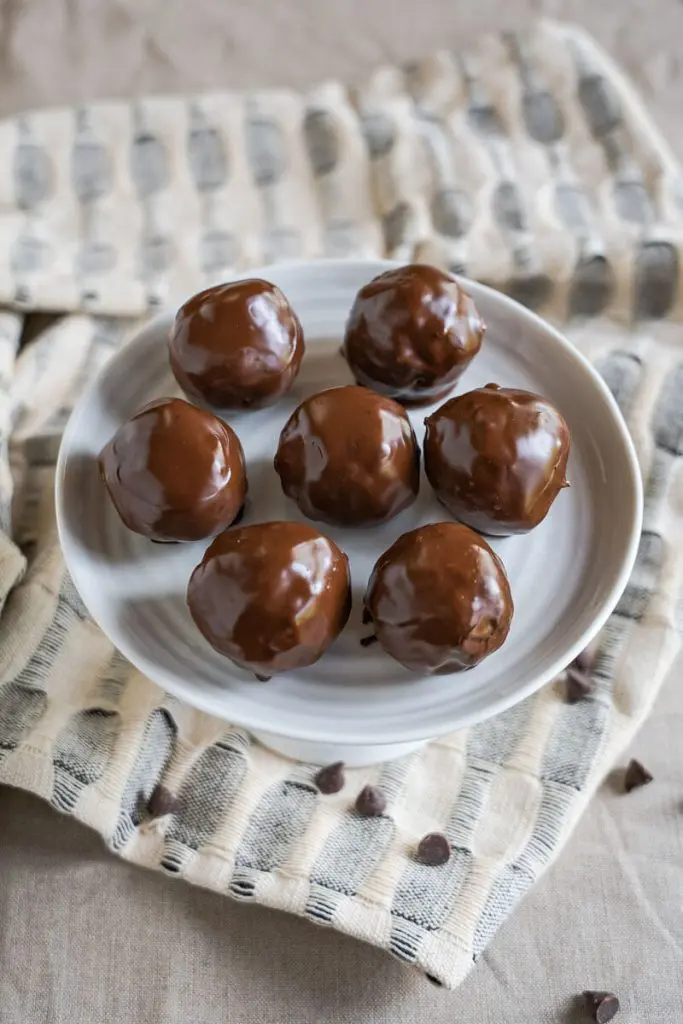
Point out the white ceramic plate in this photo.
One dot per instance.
(566, 576)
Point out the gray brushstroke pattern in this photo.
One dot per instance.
(592, 282)
(268, 159)
(21, 708)
(622, 372)
(151, 174)
(154, 753)
(81, 753)
(353, 849)
(422, 901)
(206, 152)
(278, 822)
(529, 283)
(32, 169)
(40, 664)
(656, 259)
(205, 796)
(322, 141)
(91, 168)
(266, 150)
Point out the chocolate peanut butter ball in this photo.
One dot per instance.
(497, 458)
(271, 597)
(439, 599)
(412, 333)
(348, 456)
(237, 345)
(175, 472)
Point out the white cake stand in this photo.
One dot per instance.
(357, 704)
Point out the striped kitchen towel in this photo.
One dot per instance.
(527, 163)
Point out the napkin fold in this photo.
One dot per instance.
(525, 162)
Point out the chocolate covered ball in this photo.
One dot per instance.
(439, 599)
(175, 472)
(348, 456)
(237, 345)
(271, 597)
(497, 458)
(412, 333)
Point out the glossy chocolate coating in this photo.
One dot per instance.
(349, 456)
(236, 346)
(175, 472)
(412, 333)
(439, 599)
(497, 458)
(272, 597)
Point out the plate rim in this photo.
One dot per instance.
(496, 704)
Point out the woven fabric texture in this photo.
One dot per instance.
(527, 163)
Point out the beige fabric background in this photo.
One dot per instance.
(86, 938)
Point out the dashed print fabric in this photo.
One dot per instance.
(527, 163)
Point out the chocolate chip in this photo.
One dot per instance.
(636, 775)
(368, 641)
(434, 981)
(603, 1005)
(433, 849)
(331, 779)
(162, 802)
(578, 685)
(371, 802)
